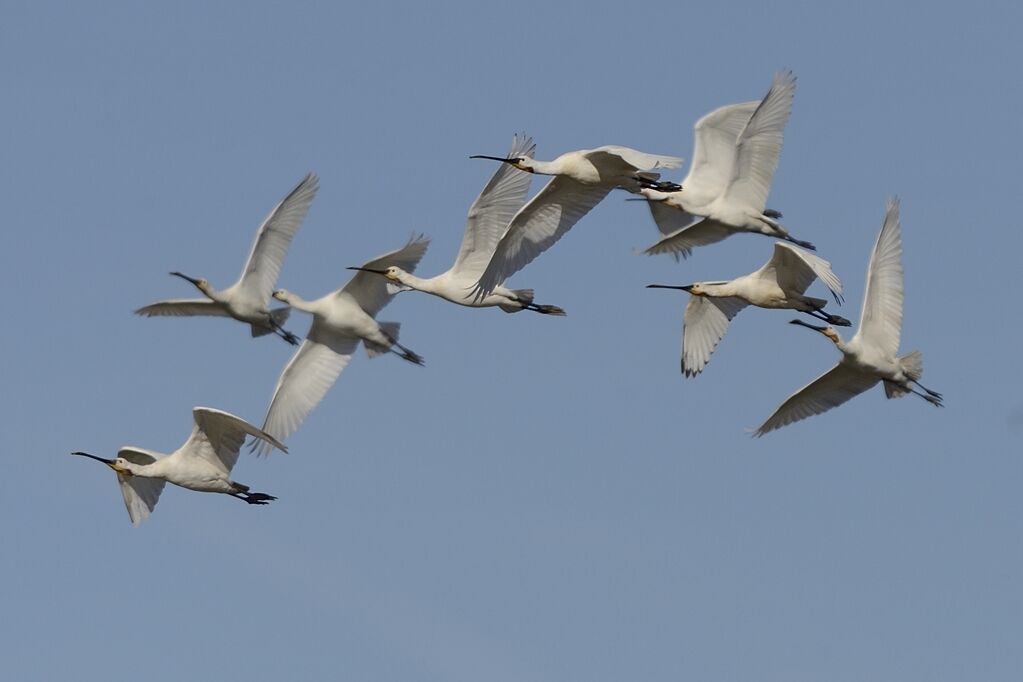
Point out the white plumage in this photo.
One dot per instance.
(248, 299)
(340, 320)
(203, 463)
(780, 283)
(870, 356)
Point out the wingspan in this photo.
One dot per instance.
(139, 492)
(829, 390)
(795, 269)
(305, 380)
(683, 241)
(371, 291)
(537, 226)
(183, 307)
(715, 138)
(759, 146)
(492, 210)
(706, 321)
(218, 436)
(641, 160)
(274, 237)
(881, 318)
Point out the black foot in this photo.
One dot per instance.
(254, 498)
(933, 394)
(838, 320)
(771, 213)
(546, 309)
(414, 358)
(290, 338)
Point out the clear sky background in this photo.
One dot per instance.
(547, 499)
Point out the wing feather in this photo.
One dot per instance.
(759, 145)
(714, 151)
(683, 241)
(305, 380)
(183, 307)
(218, 436)
(537, 226)
(140, 493)
(372, 292)
(274, 237)
(795, 269)
(706, 321)
(492, 210)
(829, 390)
(881, 317)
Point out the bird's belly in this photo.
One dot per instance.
(203, 480)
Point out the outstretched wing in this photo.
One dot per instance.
(493, 209)
(183, 307)
(218, 436)
(537, 226)
(715, 138)
(794, 269)
(670, 219)
(831, 389)
(881, 318)
(639, 160)
(274, 237)
(759, 145)
(140, 493)
(370, 291)
(706, 321)
(682, 242)
(305, 380)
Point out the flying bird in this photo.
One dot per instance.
(341, 319)
(582, 179)
(489, 215)
(726, 190)
(780, 283)
(871, 355)
(248, 299)
(203, 463)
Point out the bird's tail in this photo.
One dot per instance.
(912, 365)
(390, 330)
(279, 317)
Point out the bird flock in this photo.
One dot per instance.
(736, 149)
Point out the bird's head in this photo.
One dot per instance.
(393, 273)
(201, 284)
(282, 295)
(523, 163)
(120, 465)
(827, 331)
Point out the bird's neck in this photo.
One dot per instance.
(554, 167)
(417, 283)
(299, 303)
(720, 290)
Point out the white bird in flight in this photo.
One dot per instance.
(248, 299)
(489, 215)
(871, 355)
(340, 320)
(734, 158)
(780, 283)
(582, 179)
(203, 463)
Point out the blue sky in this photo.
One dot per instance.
(547, 499)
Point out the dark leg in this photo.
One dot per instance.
(254, 498)
(800, 242)
(409, 355)
(283, 333)
(927, 390)
(545, 309)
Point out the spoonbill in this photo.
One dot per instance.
(247, 299)
(871, 355)
(340, 320)
(203, 463)
(582, 179)
(780, 283)
(488, 217)
(726, 190)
